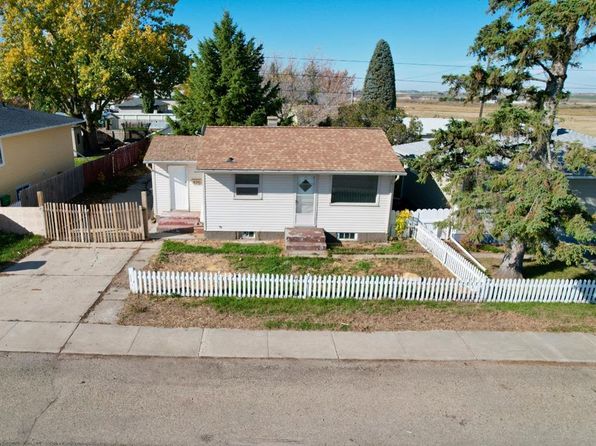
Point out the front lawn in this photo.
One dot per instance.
(263, 258)
(355, 315)
(14, 247)
(535, 270)
(408, 246)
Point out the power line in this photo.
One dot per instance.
(411, 80)
(420, 64)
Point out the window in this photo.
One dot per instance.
(354, 189)
(346, 236)
(247, 235)
(247, 185)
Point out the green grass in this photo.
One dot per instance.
(555, 270)
(284, 265)
(14, 246)
(173, 247)
(79, 161)
(491, 248)
(310, 309)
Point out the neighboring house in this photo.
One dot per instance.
(255, 182)
(131, 112)
(430, 195)
(34, 146)
(134, 106)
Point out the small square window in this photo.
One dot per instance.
(346, 236)
(247, 235)
(247, 185)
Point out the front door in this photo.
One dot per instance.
(178, 188)
(305, 200)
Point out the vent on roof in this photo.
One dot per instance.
(272, 121)
(230, 160)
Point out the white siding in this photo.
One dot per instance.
(161, 188)
(273, 212)
(354, 218)
(162, 191)
(195, 189)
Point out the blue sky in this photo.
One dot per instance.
(430, 31)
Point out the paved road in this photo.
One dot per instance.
(150, 401)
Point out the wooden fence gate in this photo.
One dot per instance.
(102, 223)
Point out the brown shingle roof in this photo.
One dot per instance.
(301, 149)
(173, 148)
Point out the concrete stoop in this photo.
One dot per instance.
(180, 221)
(305, 241)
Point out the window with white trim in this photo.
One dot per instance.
(247, 185)
(346, 236)
(247, 235)
(354, 189)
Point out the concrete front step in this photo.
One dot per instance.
(306, 247)
(305, 239)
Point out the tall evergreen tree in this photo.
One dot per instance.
(225, 86)
(379, 83)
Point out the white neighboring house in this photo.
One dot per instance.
(255, 182)
(130, 111)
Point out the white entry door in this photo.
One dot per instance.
(178, 188)
(305, 200)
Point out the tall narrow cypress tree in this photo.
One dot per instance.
(379, 83)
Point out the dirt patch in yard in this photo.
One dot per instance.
(354, 315)
(409, 267)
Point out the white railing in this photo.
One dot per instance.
(208, 284)
(457, 264)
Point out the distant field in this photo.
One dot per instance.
(576, 116)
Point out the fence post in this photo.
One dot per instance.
(145, 207)
(40, 198)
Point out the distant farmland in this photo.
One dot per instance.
(575, 115)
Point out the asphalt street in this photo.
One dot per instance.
(60, 399)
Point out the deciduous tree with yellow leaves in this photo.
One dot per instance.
(77, 56)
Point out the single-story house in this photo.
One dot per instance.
(256, 182)
(34, 146)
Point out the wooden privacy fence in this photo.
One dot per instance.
(72, 182)
(109, 222)
(457, 264)
(205, 284)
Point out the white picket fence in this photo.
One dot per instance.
(206, 284)
(457, 264)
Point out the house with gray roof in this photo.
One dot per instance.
(34, 146)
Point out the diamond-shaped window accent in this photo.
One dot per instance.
(305, 185)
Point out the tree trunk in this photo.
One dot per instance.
(91, 135)
(512, 264)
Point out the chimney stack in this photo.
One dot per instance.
(272, 121)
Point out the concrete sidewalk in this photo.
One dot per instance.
(100, 339)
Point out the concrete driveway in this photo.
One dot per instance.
(58, 283)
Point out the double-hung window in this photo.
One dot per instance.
(247, 185)
(354, 189)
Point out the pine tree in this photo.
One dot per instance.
(225, 86)
(379, 83)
